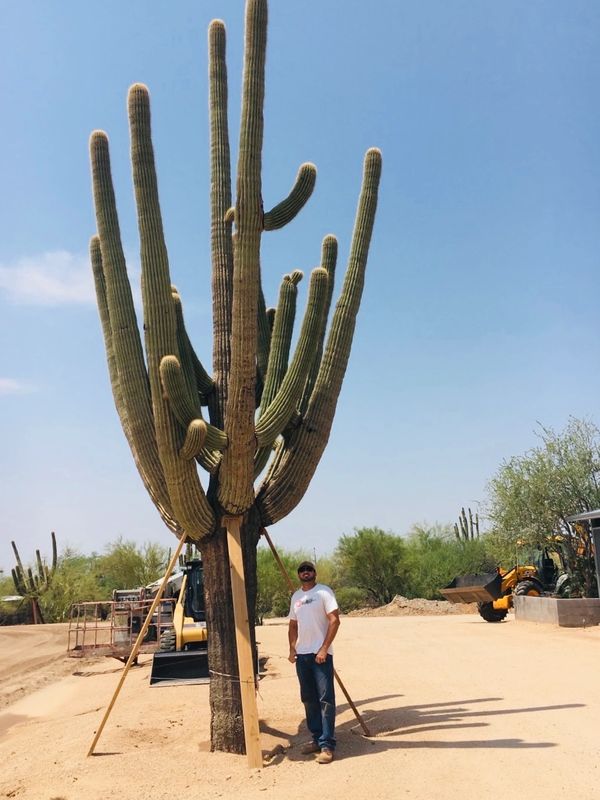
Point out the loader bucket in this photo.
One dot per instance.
(483, 588)
(181, 667)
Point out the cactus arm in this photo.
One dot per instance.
(18, 558)
(220, 202)
(101, 299)
(329, 250)
(236, 477)
(18, 581)
(198, 378)
(302, 189)
(148, 454)
(127, 369)
(283, 327)
(54, 553)
(462, 521)
(264, 336)
(471, 524)
(277, 413)
(286, 483)
(182, 403)
(187, 496)
(194, 439)
(185, 357)
(40, 566)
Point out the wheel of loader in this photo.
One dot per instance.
(491, 614)
(528, 588)
(167, 641)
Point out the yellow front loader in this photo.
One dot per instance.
(493, 591)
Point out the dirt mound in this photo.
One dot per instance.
(417, 607)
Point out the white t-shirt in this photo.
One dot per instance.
(310, 610)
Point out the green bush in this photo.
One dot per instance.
(75, 581)
(372, 560)
(350, 598)
(434, 557)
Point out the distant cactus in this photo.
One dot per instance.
(265, 408)
(467, 529)
(32, 585)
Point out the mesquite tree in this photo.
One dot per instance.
(265, 409)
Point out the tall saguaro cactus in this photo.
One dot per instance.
(263, 407)
(467, 528)
(32, 584)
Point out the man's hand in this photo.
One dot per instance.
(292, 655)
(321, 656)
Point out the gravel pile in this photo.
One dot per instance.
(402, 606)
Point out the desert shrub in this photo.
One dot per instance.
(433, 557)
(372, 560)
(351, 597)
(75, 580)
(273, 594)
(126, 565)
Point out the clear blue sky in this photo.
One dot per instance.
(479, 315)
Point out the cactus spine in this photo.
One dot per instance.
(263, 402)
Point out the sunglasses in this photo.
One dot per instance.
(305, 569)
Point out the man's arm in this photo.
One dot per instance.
(293, 638)
(333, 619)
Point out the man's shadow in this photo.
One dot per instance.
(389, 726)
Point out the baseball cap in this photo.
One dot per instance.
(306, 565)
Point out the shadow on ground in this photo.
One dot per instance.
(391, 727)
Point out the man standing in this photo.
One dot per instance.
(314, 621)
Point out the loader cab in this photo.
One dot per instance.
(547, 565)
(547, 568)
(194, 595)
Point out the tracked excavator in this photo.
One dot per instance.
(182, 656)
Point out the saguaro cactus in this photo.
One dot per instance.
(467, 529)
(260, 405)
(32, 584)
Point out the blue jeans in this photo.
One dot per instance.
(318, 695)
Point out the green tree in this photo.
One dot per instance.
(433, 557)
(75, 580)
(351, 597)
(125, 565)
(7, 586)
(272, 593)
(531, 496)
(372, 560)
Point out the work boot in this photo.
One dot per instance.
(325, 757)
(310, 747)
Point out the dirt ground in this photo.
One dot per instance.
(459, 709)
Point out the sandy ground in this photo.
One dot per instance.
(460, 710)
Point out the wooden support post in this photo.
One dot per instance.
(243, 642)
(138, 643)
(291, 587)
